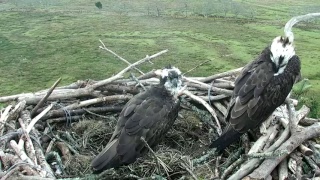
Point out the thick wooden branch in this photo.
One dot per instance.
(73, 112)
(250, 165)
(3, 118)
(20, 152)
(295, 163)
(97, 100)
(220, 107)
(283, 170)
(291, 144)
(120, 88)
(34, 98)
(254, 163)
(39, 116)
(148, 75)
(56, 94)
(231, 167)
(213, 98)
(204, 86)
(108, 96)
(15, 113)
(224, 74)
(75, 85)
(308, 121)
(64, 119)
(28, 143)
(305, 150)
(223, 85)
(262, 141)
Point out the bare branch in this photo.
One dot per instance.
(121, 73)
(195, 67)
(61, 112)
(305, 150)
(261, 142)
(213, 98)
(253, 163)
(23, 156)
(14, 114)
(44, 99)
(147, 75)
(98, 100)
(35, 120)
(205, 104)
(231, 167)
(3, 118)
(309, 121)
(292, 143)
(205, 86)
(283, 170)
(28, 143)
(121, 58)
(220, 75)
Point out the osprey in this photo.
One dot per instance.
(263, 85)
(148, 115)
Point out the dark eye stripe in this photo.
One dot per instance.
(281, 58)
(283, 65)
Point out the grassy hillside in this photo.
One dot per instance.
(41, 41)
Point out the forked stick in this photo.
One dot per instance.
(121, 58)
(121, 73)
(44, 99)
(205, 104)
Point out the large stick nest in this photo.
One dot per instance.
(55, 133)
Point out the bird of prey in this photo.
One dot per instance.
(145, 118)
(262, 86)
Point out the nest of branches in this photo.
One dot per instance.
(55, 133)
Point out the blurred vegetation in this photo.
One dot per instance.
(302, 94)
(98, 5)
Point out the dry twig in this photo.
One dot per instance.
(44, 99)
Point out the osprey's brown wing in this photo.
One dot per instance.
(145, 116)
(256, 95)
(248, 102)
(245, 102)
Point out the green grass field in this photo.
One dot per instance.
(40, 42)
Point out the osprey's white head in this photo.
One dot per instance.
(171, 79)
(281, 52)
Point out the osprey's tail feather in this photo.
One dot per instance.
(107, 158)
(227, 138)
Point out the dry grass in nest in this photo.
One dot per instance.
(185, 141)
(78, 165)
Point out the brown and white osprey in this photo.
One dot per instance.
(262, 86)
(148, 115)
